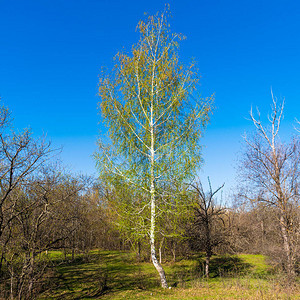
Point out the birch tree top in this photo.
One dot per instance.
(151, 107)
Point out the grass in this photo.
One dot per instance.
(116, 275)
(258, 264)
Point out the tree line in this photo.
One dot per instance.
(45, 208)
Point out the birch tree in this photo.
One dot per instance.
(154, 119)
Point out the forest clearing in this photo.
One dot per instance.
(117, 275)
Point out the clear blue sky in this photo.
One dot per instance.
(51, 53)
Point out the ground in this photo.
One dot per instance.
(117, 275)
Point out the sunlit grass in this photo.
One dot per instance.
(117, 275)
(257, 262)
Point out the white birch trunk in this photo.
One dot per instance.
(155, 262)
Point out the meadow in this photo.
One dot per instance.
(118, 275)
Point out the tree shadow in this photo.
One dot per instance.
(112, 272)
(104, 273)
(220, 266)
(223, 266)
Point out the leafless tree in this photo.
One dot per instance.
(20, 156)
(208, 229)
(271, 170)
(44, 214)
(255, 230)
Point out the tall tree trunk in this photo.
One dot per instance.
(174, 251)
(155, 262)
(208, 246)
(1, 262)
(207, 261)
(31, 274)
(12, 283)
(73, 253)
(139, 251)
(262, 234)
(160, 249)
(65, 253)
(287, 247)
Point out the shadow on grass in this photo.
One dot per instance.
(103, 273)
(220, 266)
(223, 266)
(112, 272)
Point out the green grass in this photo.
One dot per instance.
(116, 275)
(258, 264)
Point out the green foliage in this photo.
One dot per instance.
(154, 122)
(149, 92)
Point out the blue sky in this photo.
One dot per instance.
(52, 52)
